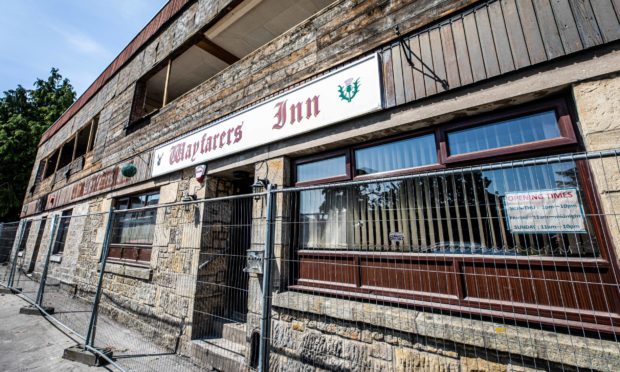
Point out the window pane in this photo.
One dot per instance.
(516, 131)
(133, 232)
(409, 153)
(332, 167)
(63, 232)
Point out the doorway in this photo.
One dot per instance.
(240, 230)
(221, 298)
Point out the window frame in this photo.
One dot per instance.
(397, 172)
(567, 139)
(324, 156)
(59, 247)
(352, 262)
(558, 105)
(137, 247)
(92, 126)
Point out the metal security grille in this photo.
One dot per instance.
(430, 270)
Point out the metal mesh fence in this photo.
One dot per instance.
(25, 279)
(511, 265)
(70, 276)
(507, 264)
(8, 235)
(174, 292)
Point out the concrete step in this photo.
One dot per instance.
(234, 332)
(219, 354)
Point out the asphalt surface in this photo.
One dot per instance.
(31, 343)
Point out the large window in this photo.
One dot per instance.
(522, 240)
(460, 213)
(132, 235)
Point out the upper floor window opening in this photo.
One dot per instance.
(247, 27)
(78, 145)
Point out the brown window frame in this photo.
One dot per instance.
(339, 272)
(567, 139)
(565, 125)
(328, 155)
(140, 253)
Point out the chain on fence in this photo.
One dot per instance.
(511, 264)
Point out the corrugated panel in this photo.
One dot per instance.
(494, 38)
(169, 11)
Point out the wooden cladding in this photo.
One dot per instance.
(493, 39)
(568, 292)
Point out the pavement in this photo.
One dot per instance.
(32, 343)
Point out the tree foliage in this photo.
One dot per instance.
(24, 115)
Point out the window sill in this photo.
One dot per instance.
(140, 122)
(128, 270)
(56, 258)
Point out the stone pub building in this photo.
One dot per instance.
(453, 270)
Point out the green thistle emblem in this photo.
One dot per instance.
(349, 90)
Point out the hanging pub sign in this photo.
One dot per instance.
(346, 93)
(545, 211)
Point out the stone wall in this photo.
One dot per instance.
(312, 332)
(598, 111)
(334, 35)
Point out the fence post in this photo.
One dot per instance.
(90, 336)
(22, 227)
(265, 328)
(50, 249)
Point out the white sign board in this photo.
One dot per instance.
(545, 211)
(346, 93)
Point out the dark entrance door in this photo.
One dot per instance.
(37, 245)
(221, 297)
(239, 240)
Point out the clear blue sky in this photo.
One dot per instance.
(80, 37)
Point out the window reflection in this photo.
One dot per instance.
(409, 153)
(516, 131)
(332, 167)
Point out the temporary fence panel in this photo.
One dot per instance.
(8, 236)
(69, 283)
(26, 275)
(510, 263)
(174, 293)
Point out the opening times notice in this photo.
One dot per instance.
(545, 211)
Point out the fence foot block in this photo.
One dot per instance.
(31, 310)
(10, 290)
(78, 354)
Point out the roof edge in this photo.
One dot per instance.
(163, 17)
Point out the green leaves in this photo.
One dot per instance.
(24, 116)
